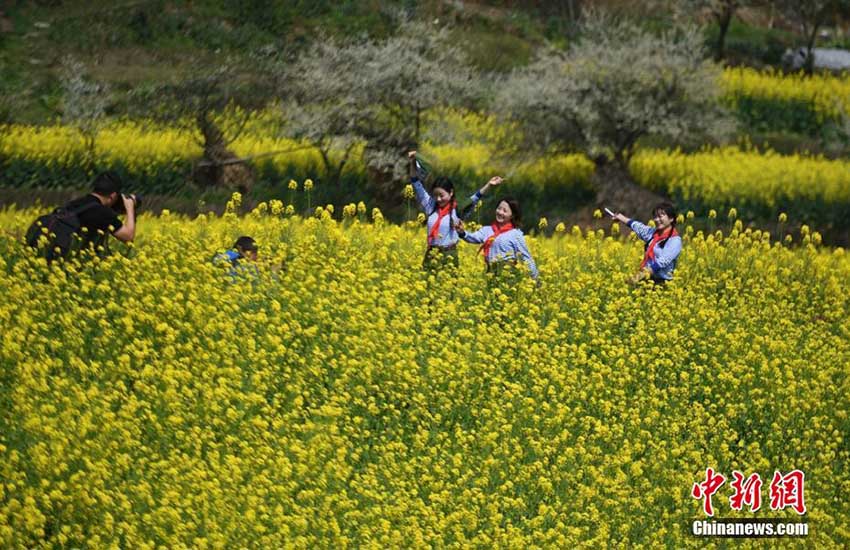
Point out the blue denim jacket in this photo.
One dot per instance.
(507, 246)
(666, 252)
(446, 234)
(237, 270)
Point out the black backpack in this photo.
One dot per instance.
(62, 228)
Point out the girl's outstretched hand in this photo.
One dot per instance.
(641, 275)
(620, 218)
(459, 225)
(411, 154)
(495, 180)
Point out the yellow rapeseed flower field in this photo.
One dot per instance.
(731, 175)
(728, 175)
(344, 398)
(141, 148)
(828, 95)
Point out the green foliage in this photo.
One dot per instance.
(764, 115)
(489, 51)
(747, 44)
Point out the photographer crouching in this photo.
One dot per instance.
(85, 223)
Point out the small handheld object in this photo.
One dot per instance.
(422, 169)
(118, 207)
(607, 211)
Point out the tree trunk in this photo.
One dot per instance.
(617, 190)
(723, 21)
(234, 176)
(809, 65)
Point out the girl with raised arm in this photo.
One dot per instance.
(663, 244)
(440, 208)
(502, 242)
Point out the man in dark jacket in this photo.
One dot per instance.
(97, 212)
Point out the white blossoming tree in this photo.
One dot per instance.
(617, 84)
(84, 103)
(374, 92)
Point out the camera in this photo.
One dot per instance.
(118, 207)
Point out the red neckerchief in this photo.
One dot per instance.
(442, 213)
(656, 238)
(485, 248)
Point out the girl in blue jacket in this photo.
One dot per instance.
(663, 244)
(440, 208)
(502, 241)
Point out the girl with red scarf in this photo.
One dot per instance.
(440, 208)
(503, 240)
(663, 244)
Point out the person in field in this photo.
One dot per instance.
(241, 258)
(502, 242)
(663, 244)
(440, 208)
(85, 223)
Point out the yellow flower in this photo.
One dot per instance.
(308, 184)
(597, 214)
(408, 192)
(542, 223)
(783, 217)
(293, 185)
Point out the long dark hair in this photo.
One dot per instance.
(449, 187)
(516, 213)
(444, 183)
(668, 208)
